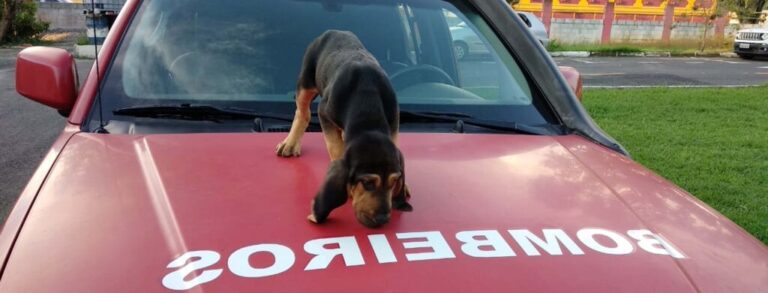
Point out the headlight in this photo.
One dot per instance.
(765, 36)
(739, 36)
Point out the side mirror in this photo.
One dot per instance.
(573, 77)
(47, 76)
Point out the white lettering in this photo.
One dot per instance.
(203, 259)
(382, 249)
(587, 236)
(433, 239)
(491, 238)
(551, 243)
(240, 265)
(348, 249)
(654, 243)
(194, 268)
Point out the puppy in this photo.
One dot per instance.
(359, 116)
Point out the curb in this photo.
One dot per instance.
(639, 54)
(729, 55)
(570, 54)
(86, 51)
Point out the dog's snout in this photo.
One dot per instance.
(373, 221)
(381, 219)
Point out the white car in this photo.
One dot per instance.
(751, 42)
(536, 26)
(466, 42)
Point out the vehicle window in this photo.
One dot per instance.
(439, 55)
(475, 60)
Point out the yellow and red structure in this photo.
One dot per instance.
(666, 11)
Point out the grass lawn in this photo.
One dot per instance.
(712, 142)
(687, 47)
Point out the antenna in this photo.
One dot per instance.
(98, 77)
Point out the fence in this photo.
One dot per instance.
(601, 21)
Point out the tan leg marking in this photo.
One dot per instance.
(291, 145)
(334, 143)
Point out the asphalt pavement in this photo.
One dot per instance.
(665, 71)
(27, 129)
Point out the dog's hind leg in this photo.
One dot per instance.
(291, 145)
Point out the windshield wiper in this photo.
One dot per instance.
(459, 119)
(196, 112)
(217, 114)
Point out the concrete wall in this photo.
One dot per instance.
(573, 31)
(687, 31)
(636, 31)
(62, 16)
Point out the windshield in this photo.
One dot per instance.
(439, 55)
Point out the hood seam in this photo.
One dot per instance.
(634, 213)
(32, 204)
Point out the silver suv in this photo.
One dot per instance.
(751, 42)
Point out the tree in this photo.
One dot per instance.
(8, 14)
(748, 11)
(711, 14)
(18, 21)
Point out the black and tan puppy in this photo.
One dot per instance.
(359, 117)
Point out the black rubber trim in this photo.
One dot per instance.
(533, 57)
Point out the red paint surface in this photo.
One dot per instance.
(16, 217)
(648, 3)
(720, 24)
(651, 4)
(588, 16)
(547, 15)
(47, 76)
(573, 77)
(563, 15)
(605, 36)
(669, 16)
(645, 18)
(116, 209)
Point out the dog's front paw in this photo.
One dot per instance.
(312, 218)
(289, 148)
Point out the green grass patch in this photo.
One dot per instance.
(680, 47)
(83, 40)
(555, 46)
(713, 142)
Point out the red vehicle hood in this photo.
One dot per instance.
(222, 213)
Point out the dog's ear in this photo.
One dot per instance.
(401, 194)
(332, 194)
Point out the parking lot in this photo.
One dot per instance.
(27, 129)
(664, 71)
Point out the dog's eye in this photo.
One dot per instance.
(368, 184)
(369, 181)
